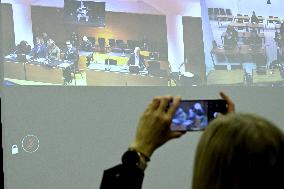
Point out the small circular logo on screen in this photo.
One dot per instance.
(30, 143)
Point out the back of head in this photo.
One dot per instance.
(241, 151)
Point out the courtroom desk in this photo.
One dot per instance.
(242, 53)
(224, 17)
(244, 35)
(44, 74)
(274, 20)
(119, 76)
(119, 57)
(145, 80)
(164, 65)
(14, 70)
(242, 17)
(225, 77)
(107, 78)
(271, 76)
(247, 50)
(247, 25)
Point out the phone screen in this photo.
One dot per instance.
(194, 115)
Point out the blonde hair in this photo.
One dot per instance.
(239, 151)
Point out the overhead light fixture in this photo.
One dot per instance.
(268, 2)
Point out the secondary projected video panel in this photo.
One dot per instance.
(83, 12)
(246, 47)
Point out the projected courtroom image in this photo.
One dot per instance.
(139, 43)
(247, 44)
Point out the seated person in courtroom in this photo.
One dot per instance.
(254, 18)
(282, 28)
(23, 48)
(74, 39)
(86, 44)
(71, 55)
(137, 59)
(254, 40)
(39, 50)
(230, 38)
(53, 50)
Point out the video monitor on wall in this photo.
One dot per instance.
(84, 12)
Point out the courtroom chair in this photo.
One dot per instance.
(102, 44)
(260, 19)
(130, 44)
(236, 67)
(116, 50)
(118, 42)
(220, 67)
(229, 12)
(136, 44)
(92, 40)
(239, 20)
(222, 11)
(110, 61)
(128, 51)
(153, 67)
(246, 20)
(210, 13)
(270, 24)
(259, 59)
(216, 12)
(111, 43)
(277, 23)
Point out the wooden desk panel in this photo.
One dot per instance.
(225, 77)
(102, 78)
(140, 80)
(14, 70)
(271, 76)
(44, 74)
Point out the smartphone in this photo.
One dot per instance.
(194, 115)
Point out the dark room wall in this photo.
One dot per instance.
(118, 25)
(7, 28)
(193, 45)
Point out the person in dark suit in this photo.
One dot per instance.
(137, 59)
(254, 18)
(86, 44)
(254, 40)
(282, 28)
(231, 38)
(39, 50)
(23, 48)
(71, 54)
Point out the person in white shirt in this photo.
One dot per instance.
(137, 59)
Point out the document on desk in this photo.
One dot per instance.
(64, 65)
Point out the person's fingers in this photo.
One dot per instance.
(164, 102)
(174, 106)
(231, 104)
(176, 134)
(154, 104)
